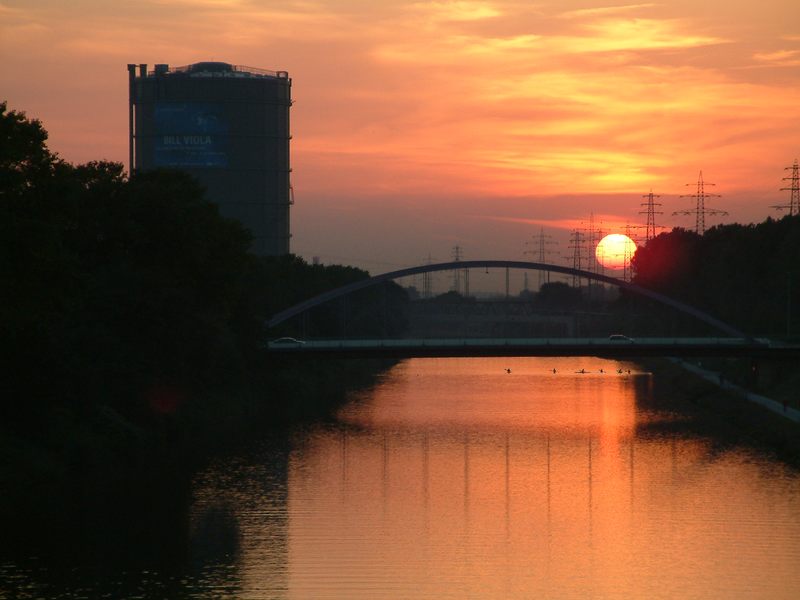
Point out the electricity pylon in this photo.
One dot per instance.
(541, 241)
(457, 256)
(578, 246)
(593, 238)
(651, 213)
(700, 211)
(793, 189)
(427, 290)
(627, 271)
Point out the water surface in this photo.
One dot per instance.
(478, 478)
(456, 478)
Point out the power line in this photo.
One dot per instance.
(700, 211)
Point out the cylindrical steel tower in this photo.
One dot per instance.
(228, 126)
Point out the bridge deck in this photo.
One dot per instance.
(640, 347)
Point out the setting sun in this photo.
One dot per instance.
(615, 251)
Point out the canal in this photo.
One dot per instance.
(473, 478)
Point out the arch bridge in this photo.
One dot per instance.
(733, 342)
(301, 307)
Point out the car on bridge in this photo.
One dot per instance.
(286, 341)
(618, 337)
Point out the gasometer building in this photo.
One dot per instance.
(228, 126)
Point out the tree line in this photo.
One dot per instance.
(746, 275)
(131, 297)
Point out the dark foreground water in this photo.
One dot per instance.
(454, 478)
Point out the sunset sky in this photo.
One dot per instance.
(421, 125)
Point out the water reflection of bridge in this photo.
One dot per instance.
(488, 487)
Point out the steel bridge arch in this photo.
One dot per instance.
(301, 307)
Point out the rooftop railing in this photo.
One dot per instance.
(224, 70)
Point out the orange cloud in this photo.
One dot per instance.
(784, 58)
(600, 11)
(606, 223)
(455, 10)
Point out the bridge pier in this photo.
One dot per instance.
(343, 317)
(384, 309)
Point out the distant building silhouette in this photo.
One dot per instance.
(228, 126)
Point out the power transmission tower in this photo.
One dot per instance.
(426, 282)
(593, 264)
(700, 211)
(651, 213)
(540, 242)
(578, 246)
(627, 272)
(593, 238)
(793, 189)
(457, 256)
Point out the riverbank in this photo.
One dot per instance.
(706, 404)
(94, 460)
(782, 408)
